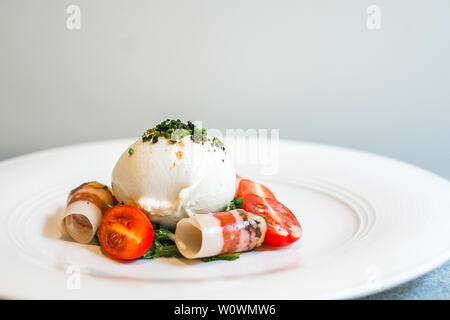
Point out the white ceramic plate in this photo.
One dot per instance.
(369, 223)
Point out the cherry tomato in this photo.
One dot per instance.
(282, 226)
(125, 232)
(247, 186)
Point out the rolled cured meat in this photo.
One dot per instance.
(84, 211)
(206, 235)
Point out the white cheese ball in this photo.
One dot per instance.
(171, 181)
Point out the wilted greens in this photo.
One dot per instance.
(163, 244)
(236, 203)
(227, 256)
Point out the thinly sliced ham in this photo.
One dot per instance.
(206, 235)
(84, 211)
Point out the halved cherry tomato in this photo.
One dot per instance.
(282, 226)
(125, 232)
(247, 186)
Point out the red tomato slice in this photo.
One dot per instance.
(282, 226)
(247, 186)
(125, 232)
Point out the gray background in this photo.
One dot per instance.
(310, 68)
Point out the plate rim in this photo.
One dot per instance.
(409, 274)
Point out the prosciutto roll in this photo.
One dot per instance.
(206, 235)
(84, 211)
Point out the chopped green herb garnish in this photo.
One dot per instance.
(217, 142)
(236, 203)
(228, 257)
(130, 151)
(175, 130)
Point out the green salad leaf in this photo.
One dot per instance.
(236, 203)
(227, 256)
(163, 244)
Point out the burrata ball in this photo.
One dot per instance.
(170, 181)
